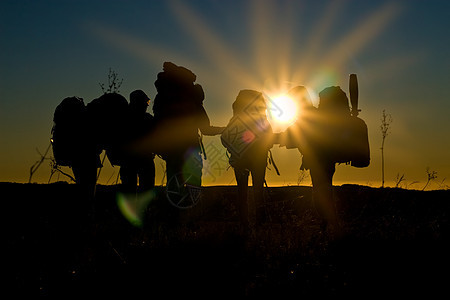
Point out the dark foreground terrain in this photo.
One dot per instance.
(395, 244)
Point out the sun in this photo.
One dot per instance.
(282, 111)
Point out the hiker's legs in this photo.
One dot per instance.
(192, 167)
(322, 177)
(173, 170)
(128, 176)
(85, 209)
(86, 179)
(147, 176)
(258, 175)
(242, 186)
(85, 174)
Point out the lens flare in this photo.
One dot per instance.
(133, 206)
(248, 137)
(192, 168)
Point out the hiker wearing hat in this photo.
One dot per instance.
(137, 170)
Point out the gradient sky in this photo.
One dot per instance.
(50, 50)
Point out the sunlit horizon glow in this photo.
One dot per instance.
(266, 45)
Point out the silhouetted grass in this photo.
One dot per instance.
(395, 243)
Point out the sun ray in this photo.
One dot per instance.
(284, 44)
(316, 42)
(138, 47)
(261, 45)
(379, 69)
(359, 38)
(218, 53)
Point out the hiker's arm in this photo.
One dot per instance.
(280, 138)
(212, 130)
(288, 138)
(205, 125)
(277, 138)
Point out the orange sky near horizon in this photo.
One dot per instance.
(398, 49)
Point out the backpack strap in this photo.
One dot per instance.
(272, 162)
(202, 147)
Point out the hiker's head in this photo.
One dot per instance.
(301, 97)
(139, 101)
(333, 99)
(250, 101)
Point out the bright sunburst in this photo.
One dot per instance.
(282, 111)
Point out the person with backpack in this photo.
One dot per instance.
(180, 122)
(74, 145)
(248, 138)
(134, 167)
(326, 136)
(317, 136)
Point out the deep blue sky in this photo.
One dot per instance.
(399, 49)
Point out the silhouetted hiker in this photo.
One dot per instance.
(312, 134)
(325, 136)
(73, 144)
(248, 138)
(179, 116)
(139, 124)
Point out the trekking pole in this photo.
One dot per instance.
(200, 140)
(353, 89)
(273, 163)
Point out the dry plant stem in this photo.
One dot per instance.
(386, 120)
(37, 164)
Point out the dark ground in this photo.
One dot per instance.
(395, 245)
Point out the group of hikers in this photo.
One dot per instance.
(131, 137)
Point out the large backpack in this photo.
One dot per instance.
(68, 131)
(177, 92)
(341, 135)
(248, 132)
(108, 114)
(178, 110)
